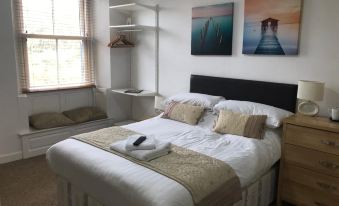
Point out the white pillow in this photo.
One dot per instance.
(274, 115)
(204, 100)
(207, 120)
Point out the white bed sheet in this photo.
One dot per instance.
(113, 179)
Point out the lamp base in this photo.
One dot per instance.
(308, 108)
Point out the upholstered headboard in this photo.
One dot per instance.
(279, 95)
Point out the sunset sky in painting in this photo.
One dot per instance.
(287, 11)
(209, 11)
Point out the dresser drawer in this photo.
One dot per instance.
(312, 179)
(312, 138)
(302, 195)
(318, 161)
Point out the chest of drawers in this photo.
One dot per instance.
(309, 170)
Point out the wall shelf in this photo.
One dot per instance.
(132, 28)
(132, 7)
(122, 46)
(144, 93)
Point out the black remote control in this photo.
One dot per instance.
(139, 140)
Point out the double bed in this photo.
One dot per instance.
(89, 176)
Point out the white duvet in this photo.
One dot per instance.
(114, 180)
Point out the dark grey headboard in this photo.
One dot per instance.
(279, 95)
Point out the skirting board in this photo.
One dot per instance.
(10, 157)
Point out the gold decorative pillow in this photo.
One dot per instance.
(183, 113)
(251, 126)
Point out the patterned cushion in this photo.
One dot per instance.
(251, 126)
(183, 113)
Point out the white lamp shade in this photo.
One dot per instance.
(159, 103)
(310, 90)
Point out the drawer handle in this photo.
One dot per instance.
(329, 165)
(319, 204)
(329, 143)
(327, 187)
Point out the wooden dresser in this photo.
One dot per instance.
(309, 170)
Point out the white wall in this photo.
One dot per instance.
(318, 58)
(143, 66)
(120, 68)
(101, 33)
(101, 53)
(10, 148)
(112, 65)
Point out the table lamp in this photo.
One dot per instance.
(309, 92)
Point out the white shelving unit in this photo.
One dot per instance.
(129, 9)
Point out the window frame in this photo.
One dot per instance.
(22, 51)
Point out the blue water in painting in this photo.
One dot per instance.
(287, 35)
(218, 39)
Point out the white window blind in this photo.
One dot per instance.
(54, 44)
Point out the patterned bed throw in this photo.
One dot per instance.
(211, 182)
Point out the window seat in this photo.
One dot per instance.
(36, 142)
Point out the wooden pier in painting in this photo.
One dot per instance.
(269, 43)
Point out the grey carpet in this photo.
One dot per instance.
(27, 182)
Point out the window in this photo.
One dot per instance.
(54, 44)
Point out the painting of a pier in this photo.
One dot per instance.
(212, 30)
(272, 27)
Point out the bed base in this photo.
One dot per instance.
(260, 193)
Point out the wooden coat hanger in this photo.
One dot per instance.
(120, 42)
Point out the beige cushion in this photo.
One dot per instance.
(183, 113)
(49, 120)
(251, 126)
(85, 114)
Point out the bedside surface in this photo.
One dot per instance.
(322, 123)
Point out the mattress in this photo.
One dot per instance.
(112, 179)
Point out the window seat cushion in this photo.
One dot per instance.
(85, 114)
(49, 120)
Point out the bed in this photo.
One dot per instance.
(89, 176)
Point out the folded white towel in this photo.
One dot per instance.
(161, 149)
(148, 144)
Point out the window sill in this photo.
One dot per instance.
(54, 92)
(58, 90)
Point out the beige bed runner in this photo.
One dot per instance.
(211, 182)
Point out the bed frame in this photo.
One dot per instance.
(279, 95)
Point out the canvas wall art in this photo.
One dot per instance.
(212, 30)
(272, 27)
